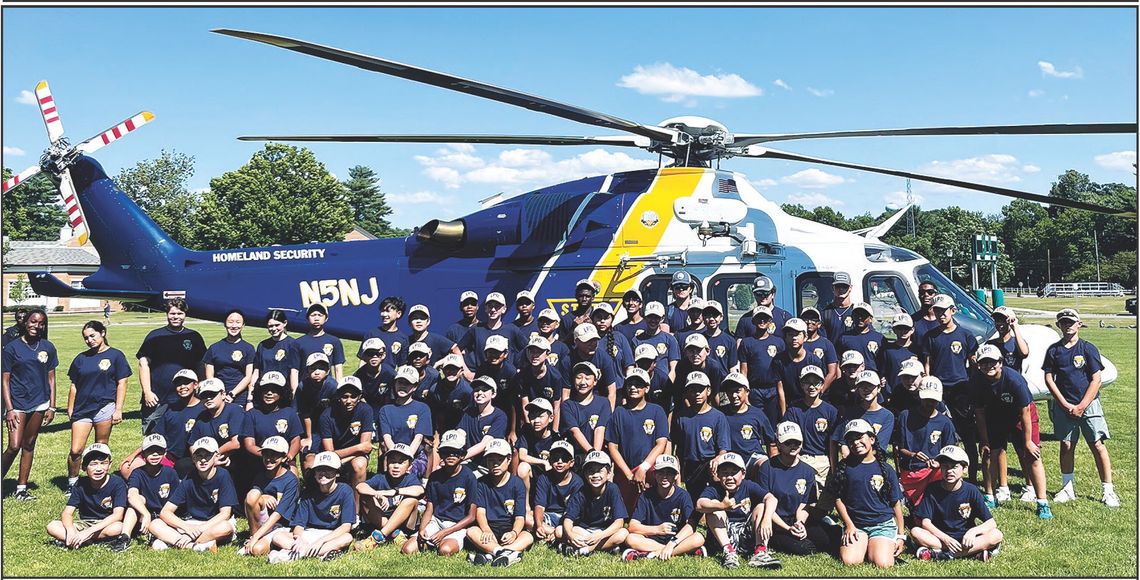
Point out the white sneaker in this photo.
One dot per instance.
(159, 545)
(1029, 495)
(1065, 495)
(1109, 499)
(1002, 495)
(279, 556)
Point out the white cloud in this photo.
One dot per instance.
(452, 156)
(523, 157)
(1034, 93)
(994, 168)
(677, 85)
(14, 151)
(812, 179)
(417, 197)
(898, 198)
(449, 177)
(810, 200)
(1030, 168)
(1049, 70)
(26, 98)
(780, 83)
(1119, 160)
(820, 92)
(764, 183)
(519, 170)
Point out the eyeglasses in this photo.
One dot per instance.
(929, 291)
(762, 293)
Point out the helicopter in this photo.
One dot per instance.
(627, 230)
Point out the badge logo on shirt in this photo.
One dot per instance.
(935, 436)
(876, 482)
(876, 426)
(104, 364)
(552, 358)
(772, 350)
(396, 347)
(279, 494)
(106, 503)
(675, 515)
(190, 424)
(818, 353)
(509, 506)
(214, 495)
(279, 355)
(354, 427)
(706, 434)
(593, 421)
(412, 420)
(772, 327)
(458, 495)
(847, 322)
(224, 430)
(1078, 361)
(42, 356)
(661, 348)
(164, 490)
(955, 347)
(1006, 397)
(637, 333)
(548, 392)
(648, 426)
(236, 356)
(606, 511)
(334, 510)
(873, 347)
(281, 425)
(487, 428)
(964, 510)
(424, 394)
(328, 349)
(720, 350)
(801, 486)
(821, 425)
(746, 431)
(745, 505)
(544, 454)
(187, 345)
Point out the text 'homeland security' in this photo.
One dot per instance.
(243, 256)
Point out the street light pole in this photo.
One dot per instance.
(950, 259)
(1096, 248)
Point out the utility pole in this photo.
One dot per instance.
(1096, 248)
(1048, 265)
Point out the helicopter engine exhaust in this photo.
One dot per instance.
(450, 233)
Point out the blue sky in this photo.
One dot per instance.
(756, 70)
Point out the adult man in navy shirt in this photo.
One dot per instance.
(836, 317)
(863, 337)
(164, 352)
(764, 291)
(949, 354)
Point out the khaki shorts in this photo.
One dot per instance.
(233, 526)
(1091, 424)
(821, 465)
(81, 525)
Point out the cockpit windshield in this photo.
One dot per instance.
(975, 317)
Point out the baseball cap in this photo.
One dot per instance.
(858, 426)
(454, 439)
(697, 378)
(539, 342)
(902, 319)
(210, 387)
(275, 443)
(841, 278)
(681, 278)
(632, 293)
(603, 307)
(419, 348)
(524, 295)
(869, 377)
(273, 378)
(483, 382)
(315, 358)
(666, 461)
(988, 351)
(654, 308)
(597, 457)
(468, 295)
(592, 285)
(327, 459)
(207, 443)
(851, 357)
(731, 459)
(408, 373)
(318, 307)
(418, 309)
(402, 449)
(864, 307)
(762, 284)
(954, 454)
(639, 374)
(548, 314)
(496, 297)
(942, 301)
(736, 378)
(796, 324)
(812, 370)
(930, 388)
(564, 446)
(542, 404)
(586, 366)
(645, 352)
(911, 367)
(498, 447)
(187, 374)
(373, 344)
(1005, 312)
(585, 332)
(100, 448)
(154, 440)
(696, 303)
(496, 342)
(804, 314)
(1070, 314)
(696, 339)
(714, 305)
(762, 311)
(451, 360)
(789, 431)
(349, 383)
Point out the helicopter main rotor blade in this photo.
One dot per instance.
(20, 177)
(745, 139)
(454, 83)
(760, 152)
(615, 140)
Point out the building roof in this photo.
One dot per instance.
(26, 255)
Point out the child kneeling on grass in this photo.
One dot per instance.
(945, 516)
(552, 492)
(322, 527)
(100, 500)
(595, 516)
(199, 514)
(388, 500)
(271, 503)
(661, 526)
(868, 499)
(498, 536)
(732, 506)
(450, 509)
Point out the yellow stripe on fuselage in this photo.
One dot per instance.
(671, 184)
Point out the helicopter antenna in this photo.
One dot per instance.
(910, 212)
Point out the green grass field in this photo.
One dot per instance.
(1090, 305)
(1085, 538)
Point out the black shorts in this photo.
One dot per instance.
(663, 538)
(500, 528)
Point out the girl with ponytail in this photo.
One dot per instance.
(869, 500)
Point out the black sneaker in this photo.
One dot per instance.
(479, 558)
(333, 555)
(504, 558)
(119, 543)
(23, 495)
(58, 543)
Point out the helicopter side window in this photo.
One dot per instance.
(734, 292)
(813, 289)
(888, 296)
(976, 317)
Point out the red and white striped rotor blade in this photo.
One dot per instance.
(71, 206)
(20, 178)
(114, 133)
(49, 112)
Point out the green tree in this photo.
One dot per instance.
(159, 187)
(19, 289)
(32, 210)
(282, 196)
(369, 208)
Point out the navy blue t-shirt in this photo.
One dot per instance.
(745, 326)
(953, 512)
(227, 425)
(1003, 399)
(175, 425)
(722, 347)
(605, 364)
(229, 360)
(285, 487)
(395, 346)
(504, 502)
(326, 511)
(928, 436)
(893, 357)
(448, 402)
(381, 482)
(277, 355)
(168, 352)
(824, 349)
(535, 444)
(440, 345)
(154, 489)
(29, 367)
(377, 387)
(636, 431)
(758, 354)
(667, 348)
(835, 321)
(587, 418)
(326, 343)
(631, 331)
(654, 510)
(749, 432)
(861, 496)
(96, 378)
(948, 354)
(881, 420)
(201, 499)
(922, 326)
(553, 496)
(558, 352)
(404, 422)
(816, 423)
(748, 496)
(345, 429)
(451, 496)
(700, 436)
(788, 371)
(477, 427)
(312, 397)
(589, 511)
(262, 425)
(476, 337)
(869, 344)
(791, 485)
(96, 504)
(1011, 359)
(548, 387)
(1073, 368)
(456, 331)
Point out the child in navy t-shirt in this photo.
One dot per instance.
(953, 521)
(100, 500)
(595, 515)
(323, 523)
(662, 524)
(271, 504)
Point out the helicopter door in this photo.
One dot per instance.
(814, 289)
(887, 294)
(734, 292)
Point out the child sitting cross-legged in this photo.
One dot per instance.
(323, 524)
(100, 501)
(947, 512)
(388, 501)
(661, 526)
(498, 536)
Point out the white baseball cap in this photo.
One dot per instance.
(869, 377)
(902, 319)
(603, 307)
(864, 307)
(327, 459)
(597, 457)
(735, 378)
(408, 373)
(645, 352)
(637, 373)
(585, 332)
(275, 443)
(654, 308)
(812, 370)
(563, 446)
(1069, 314)
(548, 314)
(942, 301)
(632, 292)
(273, 378)
(454, 439)
(714, 305)
(185, 374)
(418, 308)
(524, 295)
(100, 448)
(588, 283)
(498, 447)
(373, 344)
(930, 388)
(731, 459)
(851, 357)
(208, 386)
(858, 426)
(698, 340)
(496, 342)
(666, 461)
(154, 440)
(207, 443)
(419, 347)
(316, 357)
(1005, 312)
(468, 295)
(911, 367)
(538, 341)
(401, 449)
(451, 360)
(761, 311)
(954, 454)
(484, 382)
(812, 310)
(495, 297)
(988, 351)
(796, 324)
(696, 303)
(541, 404)
(789, 431)
(349, 383)
(697, 378)
(588, 366)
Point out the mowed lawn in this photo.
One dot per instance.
(1090, 305)
(1085, 538)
